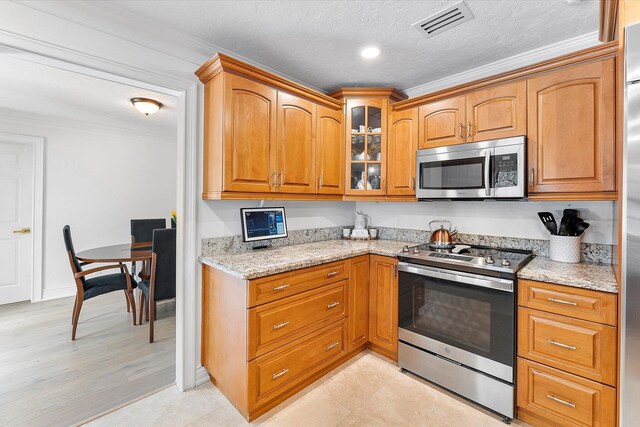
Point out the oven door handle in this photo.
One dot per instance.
(466, 278)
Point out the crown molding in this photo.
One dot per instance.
(368, 92)
(514, 62)
(14, 117)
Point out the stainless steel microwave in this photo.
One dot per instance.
(480, 170)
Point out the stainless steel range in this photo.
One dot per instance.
(457, 323)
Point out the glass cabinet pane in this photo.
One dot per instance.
(373, 172)
(374, 147)
(357, 119)
(357, 147)
(374, 119)
(358, 176)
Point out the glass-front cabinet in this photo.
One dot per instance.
(366, 146)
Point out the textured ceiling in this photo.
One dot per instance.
(319, 42)
(41, 90)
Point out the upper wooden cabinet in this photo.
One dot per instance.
(260, 136)
(401, 152)
(442, 123)
(571, 134)
(296, 144)
(492, 113)
(330, 151)
(497, 112)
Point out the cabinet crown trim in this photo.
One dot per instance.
(221, 62)
(369, 92)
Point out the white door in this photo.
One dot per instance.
(16, 216)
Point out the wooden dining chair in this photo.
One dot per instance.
(162, 283)
(141, 235)
(87, 288)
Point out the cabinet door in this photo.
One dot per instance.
(497, 112)
(442, 123)
(249, 135)
(383, 305)
(296, 144)
(401, 152)
(571, 130)
(330, 151)
(358, 302)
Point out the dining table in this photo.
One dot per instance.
(118, 253)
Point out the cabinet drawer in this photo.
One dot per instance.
(583, 348)
(274, 374)
(580, 303)
(271, 288)
(563, 399)
(274, 324)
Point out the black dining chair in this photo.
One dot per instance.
(162, 284)
(141, 235)
(87, 288)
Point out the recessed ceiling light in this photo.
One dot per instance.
(370, 52)
(146, 106)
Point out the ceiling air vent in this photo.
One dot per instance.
(444, 20)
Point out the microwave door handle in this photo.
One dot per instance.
(487, 171)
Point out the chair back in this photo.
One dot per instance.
(142, 229)
(164, 246)
(68, 243)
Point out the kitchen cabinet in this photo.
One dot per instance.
(261, 136)
(497, 112)
(571, 136)
(491, 113)
(296, 144)
(383, 305)
(358, 302)
(401, 159)
(442, 123)
(330, 150)
(567, 355)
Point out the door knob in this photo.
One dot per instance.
(22, 231)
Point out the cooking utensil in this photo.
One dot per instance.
(549, 221)
(580, 228)
(567, 221)
(441, 238)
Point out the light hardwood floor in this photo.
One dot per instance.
(48, 380)
(369, 390)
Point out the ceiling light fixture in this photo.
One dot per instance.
(370, 52)
(146, 106)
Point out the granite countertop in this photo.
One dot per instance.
(598, 277)
(259, 263)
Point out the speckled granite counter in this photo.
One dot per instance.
(250, 265)
(586, 275)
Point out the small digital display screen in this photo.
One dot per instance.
(263, 223)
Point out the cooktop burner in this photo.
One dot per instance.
(468, 257)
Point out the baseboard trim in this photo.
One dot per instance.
(49, 294)
(202, 376)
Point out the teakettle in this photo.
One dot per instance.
(441, 237)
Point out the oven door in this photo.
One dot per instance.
(455, 174)
(463, 317)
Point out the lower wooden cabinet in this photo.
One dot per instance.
(383, 305)
(550, 397)
(358, 302)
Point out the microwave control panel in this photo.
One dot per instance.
(506, 170)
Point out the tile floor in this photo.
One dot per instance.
(366, 391)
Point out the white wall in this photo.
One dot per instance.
(96, 182)
(508, 219)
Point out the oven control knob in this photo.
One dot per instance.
(405, 249)
(416, 251)
(505, 262)
(489, 260)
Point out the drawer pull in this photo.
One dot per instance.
(561, 301)
(332, 345)
(333, 304)
(333, 273)
(279, 374)
(564, 402)
(559, 344)
(281, 287)
(280, 325)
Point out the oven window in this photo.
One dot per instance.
(476, 319)
(456, 174)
